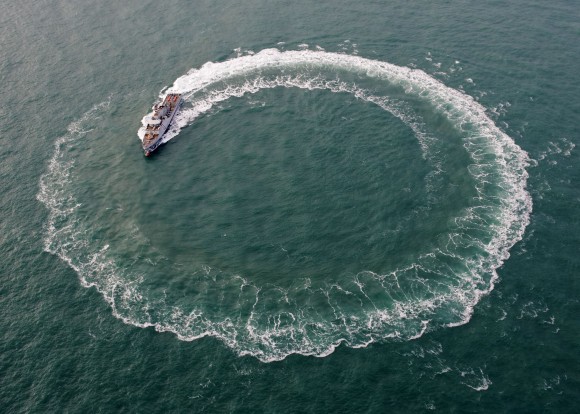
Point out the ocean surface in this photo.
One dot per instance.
(361, 207)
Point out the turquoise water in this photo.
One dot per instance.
(365, 207)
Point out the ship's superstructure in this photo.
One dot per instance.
(158, 123)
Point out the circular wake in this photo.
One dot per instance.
(311, 317)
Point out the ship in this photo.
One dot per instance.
(159, 122)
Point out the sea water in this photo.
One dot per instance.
(364, 207)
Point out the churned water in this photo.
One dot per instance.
(359, 208)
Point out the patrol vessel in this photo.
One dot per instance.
(158, 123)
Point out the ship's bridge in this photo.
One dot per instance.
(153, 121)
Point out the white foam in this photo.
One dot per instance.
(440, 288)
(477, 381)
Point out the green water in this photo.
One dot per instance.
(362, 208)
